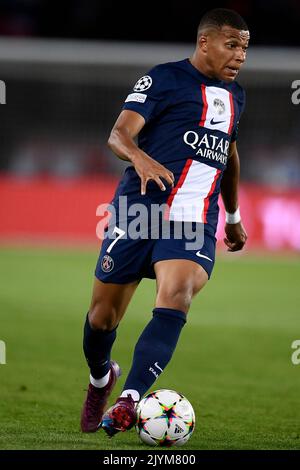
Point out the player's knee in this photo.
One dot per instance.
(103, 316)
(177, 296)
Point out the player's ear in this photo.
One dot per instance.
(202, 42)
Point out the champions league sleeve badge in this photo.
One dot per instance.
(143, 83)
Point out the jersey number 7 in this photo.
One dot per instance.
(120, 233)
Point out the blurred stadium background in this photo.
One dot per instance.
(67, 74)
(62, 100)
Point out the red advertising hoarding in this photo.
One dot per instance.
(66, 210)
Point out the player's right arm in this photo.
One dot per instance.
(121, 142)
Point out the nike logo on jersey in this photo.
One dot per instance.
(213, 122)
(203, 256)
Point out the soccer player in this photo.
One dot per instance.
(186, 117)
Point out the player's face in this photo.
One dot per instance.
(226, 52)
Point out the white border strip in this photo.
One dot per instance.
(260, 59)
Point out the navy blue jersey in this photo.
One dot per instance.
(190, 122)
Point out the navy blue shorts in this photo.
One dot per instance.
(123, 260)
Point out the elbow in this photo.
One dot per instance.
(113, 139)
(109, 143)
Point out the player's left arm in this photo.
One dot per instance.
(236, 235)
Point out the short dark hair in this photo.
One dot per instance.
(219, 17)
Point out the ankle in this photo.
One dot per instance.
(100, 383)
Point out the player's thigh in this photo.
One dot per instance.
(109, 303)
(178, 280)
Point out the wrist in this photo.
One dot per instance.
(135, 157)
(233, 218)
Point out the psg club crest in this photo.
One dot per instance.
(143, 83)
(219, 105)
(107, 264)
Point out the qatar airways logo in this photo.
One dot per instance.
(208, 146)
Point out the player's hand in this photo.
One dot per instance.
(149, 169)
(236, 236)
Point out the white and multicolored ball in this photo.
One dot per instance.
(165, 418)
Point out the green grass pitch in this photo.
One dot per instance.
(233, 361)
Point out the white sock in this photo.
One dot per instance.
(100, 383)
(134, 394)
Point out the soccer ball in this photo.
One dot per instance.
(165, 418)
